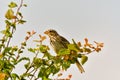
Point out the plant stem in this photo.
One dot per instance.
(33, 74)
(15, 21)
(31, 65)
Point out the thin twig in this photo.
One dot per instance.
(31, 65)
(15, 22)
(33, 74)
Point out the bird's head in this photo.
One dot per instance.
(51, 33)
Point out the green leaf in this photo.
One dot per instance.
(21, 21)
(7, 32)
(7, 49)
(53, 69)
(20, 51)
(3, 31)
(15, 76)
(41, 72)
(72, 47)
(43, 48)
(20, 14)
(37, 62)
(8, 22)
(13, 25)
(48, 55)
(1, 64)
(15, 48)
(23, 59)
(12, 5)
(8, 65)
(63, 52)
(13, 60)
(77, 47)
(31, 50)
(57, 60)
(23, 44)
(45, 78)
(87, 50)
(26, 75)
(84, 59)
(9, 14)
(25, 5)
(66, 65)
(27, 65)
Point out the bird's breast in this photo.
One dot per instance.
(57, 45)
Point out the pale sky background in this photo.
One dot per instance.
(98, 20)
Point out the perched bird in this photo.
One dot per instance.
(58, 42)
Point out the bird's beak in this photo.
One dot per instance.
(46, 32)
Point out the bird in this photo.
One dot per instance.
(58, 42)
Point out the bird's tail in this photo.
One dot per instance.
(81, 69)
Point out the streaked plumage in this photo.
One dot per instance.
(58, 42)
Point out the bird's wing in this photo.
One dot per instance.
(64, 41)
